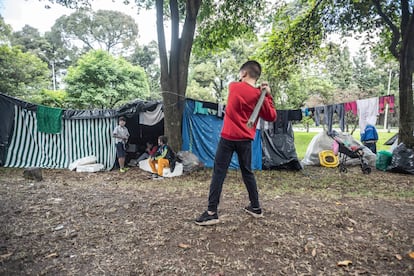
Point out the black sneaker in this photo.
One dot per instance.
(255, 212)
(206, 219)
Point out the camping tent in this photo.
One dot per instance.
(89, 132)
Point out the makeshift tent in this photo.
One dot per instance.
(89, 133)
(322, 141)
(272, 148)
(201, 134)
(83, 133)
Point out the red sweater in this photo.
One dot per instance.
(240, 104)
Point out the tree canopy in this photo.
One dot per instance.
(22, 74)
(112, 31)
(301, 27)
(99, 80)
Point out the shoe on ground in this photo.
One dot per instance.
(122, 170)
(255, 212)
(157, 177)
(206, 219)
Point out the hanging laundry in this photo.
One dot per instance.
(153, 117)
(49, 119)
(284, 117)
(367, 112)
(351, 106)
(383, 100)
(318, 111)
(329, 112)
(199, 109)
(220, 110)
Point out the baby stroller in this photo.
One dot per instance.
(348, 150)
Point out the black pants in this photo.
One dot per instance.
(222, 160)
(372, 146)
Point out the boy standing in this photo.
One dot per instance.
(121, 135)
(237, 137)
(370, 137)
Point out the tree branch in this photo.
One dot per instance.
(394, 29)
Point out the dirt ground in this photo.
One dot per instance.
(317, 222)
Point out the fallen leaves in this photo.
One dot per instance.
(344, 263)
(411, 254)
(184, 245)
(5, 256)
(52, 255)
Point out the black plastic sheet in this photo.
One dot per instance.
(402, 160)
(279, 148)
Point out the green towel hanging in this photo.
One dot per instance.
(49, 119)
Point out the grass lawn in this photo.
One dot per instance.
(302, 140)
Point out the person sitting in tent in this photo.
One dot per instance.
(369, 138)
(149, 151)
(164, 157)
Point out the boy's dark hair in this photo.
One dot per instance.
(252, 68)
(122, 118)
(163, 139)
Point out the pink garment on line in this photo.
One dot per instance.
(351, 106)
(383, 100)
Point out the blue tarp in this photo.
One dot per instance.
(201, 134)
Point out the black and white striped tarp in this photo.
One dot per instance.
(78, 138)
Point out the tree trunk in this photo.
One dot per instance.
(174, 72)
(406, 129)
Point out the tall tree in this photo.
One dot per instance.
(219, 22)
(22, 74)
(146, 56)
(392, 21)
(101, 81)
(339, 65)
(5, 31)
(214, 70)
(30, 40)
(112, 31)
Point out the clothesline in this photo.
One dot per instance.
(366, 109)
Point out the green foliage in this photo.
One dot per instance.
(214, 71)
(196, 92)
(284, 48)
(30, 40)
(22, 74)
(101, 81)
(111, 31)
(220, 22)
(339, 66)
(146, 57)
(5, 31)
(300, 88)
(51, 98)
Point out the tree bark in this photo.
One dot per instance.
(406, 130)
(174, 72)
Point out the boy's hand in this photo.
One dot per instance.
(266, 86)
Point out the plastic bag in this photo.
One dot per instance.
(189, 160)
(383, 160)
(402, 160)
